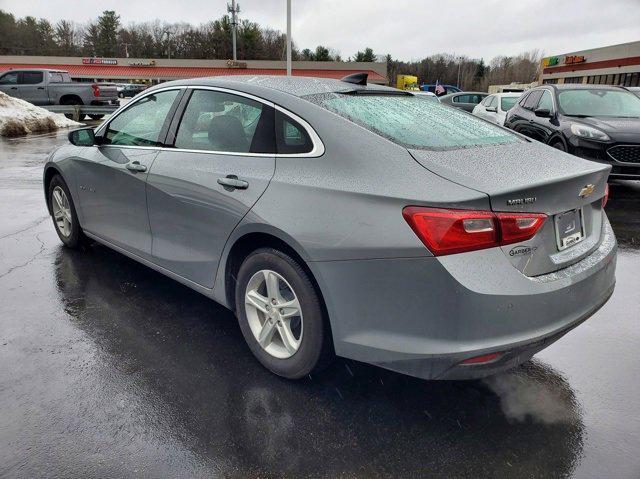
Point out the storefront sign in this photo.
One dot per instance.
(571, 59)
(99, 61)
(150, 63)
(550, 61)
(236, 64)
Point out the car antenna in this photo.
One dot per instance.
(356, 78)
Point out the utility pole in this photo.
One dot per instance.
(459, 65)
(288, 38)
(168, 43)
(126, 49)
(234, 9)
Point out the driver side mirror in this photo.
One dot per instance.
(542, 112)
(82, 137)
(492, 109)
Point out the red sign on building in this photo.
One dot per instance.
(99, 61)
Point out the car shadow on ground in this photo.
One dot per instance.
(185, 357)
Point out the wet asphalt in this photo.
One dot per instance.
(108, 369)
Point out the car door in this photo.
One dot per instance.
(111, 177)
(9, 84)
(32, 87)
(222, 160)
(491, 109)
(542, 128)
(526, 117)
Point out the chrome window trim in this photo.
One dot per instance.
(317, 150)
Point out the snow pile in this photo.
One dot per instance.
(19, 117)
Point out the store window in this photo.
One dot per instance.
(549, 81)
(573, 80)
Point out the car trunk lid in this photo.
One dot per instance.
(528, 177)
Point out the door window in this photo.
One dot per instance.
(532, 100)
(291, 137)
(219, 121)
(493, 102)
(546, 101)
(9, 79)
(141, 123)
(31, 78)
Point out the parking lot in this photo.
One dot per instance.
(109, 368)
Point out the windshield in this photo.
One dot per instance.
(595, 102)
(507, 102)
(413, 122)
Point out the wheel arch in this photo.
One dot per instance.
(71, 96)
(49, 172)
(558, 137)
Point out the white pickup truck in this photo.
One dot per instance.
(54, 87)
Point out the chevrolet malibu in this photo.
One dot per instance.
(335, 217)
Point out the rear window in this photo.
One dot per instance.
(413, 123)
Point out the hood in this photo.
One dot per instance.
(520, 176)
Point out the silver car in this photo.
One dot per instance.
(336, 217)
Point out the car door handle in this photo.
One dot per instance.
(40, 88)
(14, 87)
(136, 166)
(231, 182)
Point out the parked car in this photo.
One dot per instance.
(130, 89)
(494, 107)
(596, 122)
(464, 100)
(54, 87)
(334, 216)
(428, 95)
(432, 88)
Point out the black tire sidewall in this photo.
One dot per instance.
(558, 145)
(314, 339)
(74, 239)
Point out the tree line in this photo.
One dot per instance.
(106, 36)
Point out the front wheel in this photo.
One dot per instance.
(96, 117)
(558, 145)
(281, 316)
(63, 211)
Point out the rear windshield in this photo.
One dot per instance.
(413, 122)
(596, 102)
(507, 102)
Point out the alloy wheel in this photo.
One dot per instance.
(61, 211)
(274, 314)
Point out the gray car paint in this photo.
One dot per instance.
(389, 300)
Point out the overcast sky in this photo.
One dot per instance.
(406, 29)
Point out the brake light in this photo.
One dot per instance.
(605, 198)
(96, 90)
(484, 359)
(447, 231)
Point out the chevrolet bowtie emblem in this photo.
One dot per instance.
(586, 191)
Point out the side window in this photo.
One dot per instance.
(532, 99)
(493, 101)
(9, 79)
(291, 137)
(31, 78)
(523, 99)
(141, 123)
(546, 101)
(218, 121)
(486, 101)
(55, 77)
(461, 99)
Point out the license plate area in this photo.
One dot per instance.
(569, 228)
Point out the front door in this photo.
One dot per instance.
(223, 160)
(111, 177)
(32, 87)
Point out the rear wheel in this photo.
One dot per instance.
(96, 117)
(72, 101)
(281, 316)
(63, 212)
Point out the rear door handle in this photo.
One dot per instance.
(136, 166)
(14, 87)
(231, 182)
(40, 88)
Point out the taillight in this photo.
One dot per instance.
(446, 231)
(605, 198)
(484, 359)
(96, 90)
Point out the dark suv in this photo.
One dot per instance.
(596, 122)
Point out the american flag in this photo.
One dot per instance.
(439, 88)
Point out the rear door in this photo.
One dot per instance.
(112, 177)
(33, 88)
(222, 160)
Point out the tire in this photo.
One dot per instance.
(314, 350)
(96, 117)
(558, 145)
(120, 95)
(73, 102)
(73, 236)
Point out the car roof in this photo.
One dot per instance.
(580, 86)
(458, 93)
(295, 85)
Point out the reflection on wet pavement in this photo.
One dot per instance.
(110, 369)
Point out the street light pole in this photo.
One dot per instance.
(459, 65)
(233, 9)
(288, 38)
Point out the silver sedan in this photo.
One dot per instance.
(336, 217)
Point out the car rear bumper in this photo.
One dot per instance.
(424, 316)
